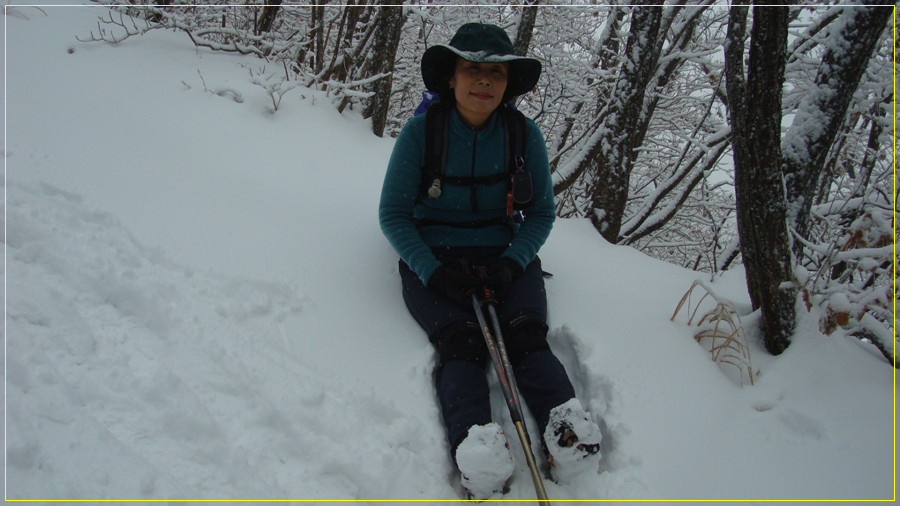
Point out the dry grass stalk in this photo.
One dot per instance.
(721, 332)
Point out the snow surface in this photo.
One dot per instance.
(200, 305)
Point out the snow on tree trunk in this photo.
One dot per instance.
(267, 18)
(823, 110)
(389, 25)
(611, 158)
(525, 30)
(755, 114)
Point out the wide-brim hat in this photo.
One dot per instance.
(484, 44)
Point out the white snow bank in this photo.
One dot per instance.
(204, 308)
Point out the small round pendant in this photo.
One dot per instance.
(435, 190)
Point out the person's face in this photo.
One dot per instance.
(478, 88)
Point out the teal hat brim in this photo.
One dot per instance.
(439, 63)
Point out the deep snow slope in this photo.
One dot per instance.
(200, 305)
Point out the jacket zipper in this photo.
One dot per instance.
(474, 197)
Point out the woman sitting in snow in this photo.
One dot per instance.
(463, 217)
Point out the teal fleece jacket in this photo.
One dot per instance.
(472, 154)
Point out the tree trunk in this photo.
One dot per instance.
(389, 25)
(611, 158)
(344, 42)
(824, 108)
(156, 17)
(267, 18)
(319, 16)
(736, 86)
(526, 28)
(755, 113)
(679, 44)
(871, 157)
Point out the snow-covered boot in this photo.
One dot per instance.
(484, 460)
(572, 439)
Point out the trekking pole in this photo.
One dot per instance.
(504, 359)
(500, 360)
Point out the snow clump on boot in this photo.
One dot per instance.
(573, 440)
(485, 461)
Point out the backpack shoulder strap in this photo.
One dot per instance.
(514, 127)
(520, 188)
(437, 119)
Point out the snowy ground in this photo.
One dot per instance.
(200, 305)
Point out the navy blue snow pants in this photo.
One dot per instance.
(460, 377)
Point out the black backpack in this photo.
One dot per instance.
(518, 180)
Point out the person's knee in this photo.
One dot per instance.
(464, 343)
(525, 338)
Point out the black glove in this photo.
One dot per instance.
(454, 284)
(501, 275)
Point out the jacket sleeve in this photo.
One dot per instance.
(540, 216)
(398, 199)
